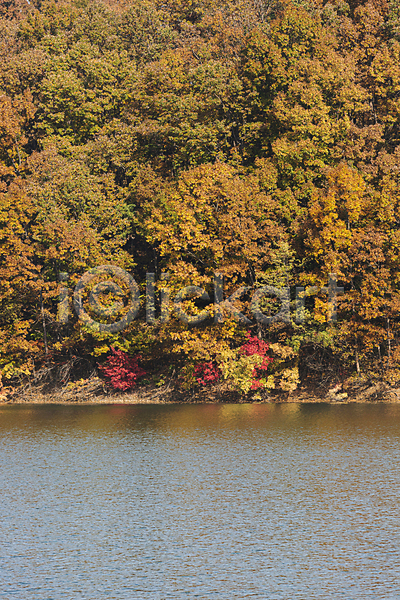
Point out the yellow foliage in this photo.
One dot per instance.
(240, 371)
(289, 379)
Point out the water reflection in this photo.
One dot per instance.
(200, 501)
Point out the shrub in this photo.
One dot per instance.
(246, 367)
(122, 370)
(256, 347)
(206, 373)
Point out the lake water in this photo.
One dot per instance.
(200, 501)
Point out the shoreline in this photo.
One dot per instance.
(92, 392)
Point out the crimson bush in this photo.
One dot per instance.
(122, 370)
(206, 373)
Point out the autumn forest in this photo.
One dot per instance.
(258, 140)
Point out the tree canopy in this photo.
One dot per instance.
(256, 139)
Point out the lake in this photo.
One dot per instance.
(288, 501)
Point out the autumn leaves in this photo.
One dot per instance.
(259, 142)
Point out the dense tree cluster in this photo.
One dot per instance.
(258, 139)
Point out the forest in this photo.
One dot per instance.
(179, 141)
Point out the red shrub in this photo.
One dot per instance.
(123, 370)
(256, 384)
(206, 373)
(255, 346)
